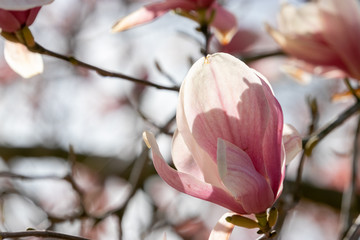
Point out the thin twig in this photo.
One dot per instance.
(285, 203)
(354, 231)
(164, 73)
(351, 89)
(252, 57)
(139, 173)
(313, 125)
(205, 30)
(43, 234)
(40, 49)
(4, 174)
(310, 142)
(349, 201)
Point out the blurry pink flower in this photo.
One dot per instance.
(324, 33)
(224, 23)
(15, 14)
(240, 43)
(228, 148)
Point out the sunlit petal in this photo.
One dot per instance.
(221, 97)
(292, 142)
(23, 62)
(222, 229)
(148, 13)
(188, 184)
(183, 159)
(240, 176)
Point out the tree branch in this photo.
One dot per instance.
(41, 50)
(36, 233)
(310, 142)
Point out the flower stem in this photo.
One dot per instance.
(205, 30)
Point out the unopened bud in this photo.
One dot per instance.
(242, 221)
(28, 37)
(272, 216)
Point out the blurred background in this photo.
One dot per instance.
(72, 158)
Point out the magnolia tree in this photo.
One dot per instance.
(223, 120)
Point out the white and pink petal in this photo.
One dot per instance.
(292, 142)
(222, 229)
(188, 184)
(22, 61)
(149, 13)
(239, 175)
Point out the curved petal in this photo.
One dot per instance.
(239, 44)
(222, 229)
(307, 49)
(183, 159)
(292, 142)
(149, 13)
(223, 98)
(18, 5)
(241, 178)
(32, 16)
(341, 29)
(8, 22)
(23, 62)
(303, 20)
(272, 154)
(206, 163)
(188, 184)
(224, 24)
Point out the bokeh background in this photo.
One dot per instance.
(72, 158)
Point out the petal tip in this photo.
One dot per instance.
(147, 137)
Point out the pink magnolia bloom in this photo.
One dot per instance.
(228, 148)
(15, 14)
(224, 22)
(324, 33)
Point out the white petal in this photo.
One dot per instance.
(222, 229)
(292, 142)
(22, 61)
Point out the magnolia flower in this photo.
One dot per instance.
(15, 15)
(228, 148)
(223, 22)
(324, 33)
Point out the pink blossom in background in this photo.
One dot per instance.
(241, 42)
(324, 33)
(15, 14)
(228, 148)
(224, 22)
